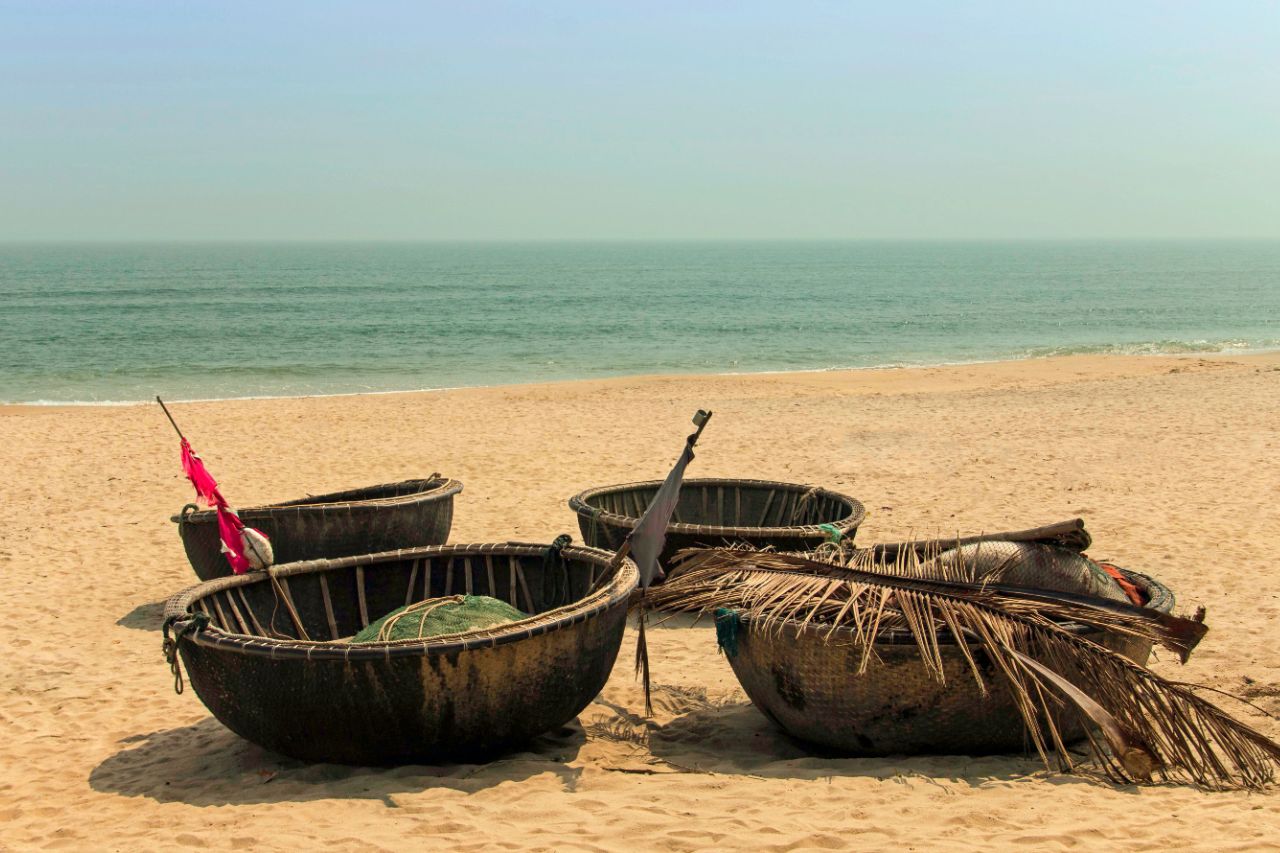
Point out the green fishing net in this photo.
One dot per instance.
(454, 614)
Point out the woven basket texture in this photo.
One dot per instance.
(274, 664)
(810, 687)
(358, 521)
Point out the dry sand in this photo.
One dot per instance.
(1172, 462)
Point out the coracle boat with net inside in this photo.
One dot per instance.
(367, 520)
(269, 653)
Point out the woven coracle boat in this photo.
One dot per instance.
(265, 651)
(712, 513)
(369, 520)
(808, 684)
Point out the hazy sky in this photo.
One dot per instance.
(276, 120)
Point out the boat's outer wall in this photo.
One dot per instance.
(315, 532)
(354, 711)
(604, 530)
(811, 688)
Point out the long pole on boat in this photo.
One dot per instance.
(653, 536)
(170, 417)
(700, 420)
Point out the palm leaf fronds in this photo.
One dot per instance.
(1156, 730)
(807, 588)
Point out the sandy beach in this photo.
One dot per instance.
(1172, 461)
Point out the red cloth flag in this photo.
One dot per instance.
(230, 527)
(231, 530)
(206, 486)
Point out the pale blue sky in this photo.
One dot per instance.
(545, 120)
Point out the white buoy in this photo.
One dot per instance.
(257, 548)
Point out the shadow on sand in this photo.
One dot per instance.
(692, 731)
(144, 617)
(731, 737)
(206, 764)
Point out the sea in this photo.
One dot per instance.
(120, 323)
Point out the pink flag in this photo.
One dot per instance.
(231, 530)
(230, 527)
(206, 486)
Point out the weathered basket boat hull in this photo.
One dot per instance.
(810, 687)
(358, 521)
(715, 513)
(468, 697)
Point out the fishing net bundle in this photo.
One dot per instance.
(436, 617)
(1028, 564)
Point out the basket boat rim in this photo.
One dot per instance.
(579, 503)
(435, 488)
(1159, 593)
(617, 589)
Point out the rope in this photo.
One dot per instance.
(833, 533)
(182, 626)
(186, 510)
(557, 581)
(557, 545)
(728, 626)
(801, 508)
(424, 607)
(642, 654)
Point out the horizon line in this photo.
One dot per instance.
(105, 241)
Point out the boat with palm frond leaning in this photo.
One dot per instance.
(928, 647)
(366, 520)
(300, 659)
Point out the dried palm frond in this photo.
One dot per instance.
(805, 589)
(1155, 729)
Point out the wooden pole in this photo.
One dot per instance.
(170, 417)
(1072, 529)
(700, 419)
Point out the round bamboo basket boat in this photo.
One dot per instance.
(714, 513)
(808, 685)
(341, 524)
(265, 652)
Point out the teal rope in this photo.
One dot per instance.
(833, 532)
(728, 628)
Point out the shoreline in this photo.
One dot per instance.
(1073, 358)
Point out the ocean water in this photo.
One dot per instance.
(99, 323)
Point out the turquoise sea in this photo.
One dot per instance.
(112, 323)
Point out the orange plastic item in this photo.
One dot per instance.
(1135, 594)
